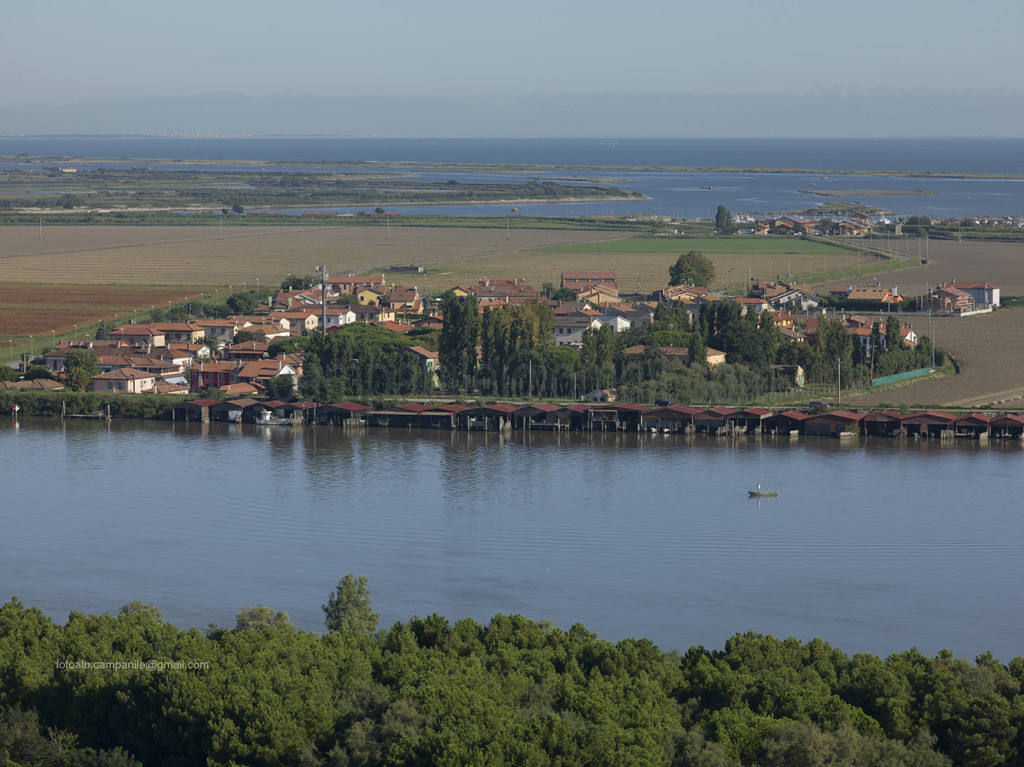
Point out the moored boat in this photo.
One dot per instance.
(267, 418)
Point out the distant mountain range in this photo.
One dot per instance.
(825, 112)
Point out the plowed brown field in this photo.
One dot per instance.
(52, 278)
(989, 348)
(40, 309)
(999, 263)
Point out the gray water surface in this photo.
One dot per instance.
(874, 546)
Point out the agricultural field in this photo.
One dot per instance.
(988, 347)
(999, 263)
(50, 311)
(711, 246)
(645, 261)
(56, 277)
(103, 270)
(203, 257)
(990, 354)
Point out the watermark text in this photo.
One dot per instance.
(133, 665)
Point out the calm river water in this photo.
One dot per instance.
(874, 546)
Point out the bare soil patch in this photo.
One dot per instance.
(990, 354)
(988, 347)
(49, 311)
(105, 270)
(999, 263)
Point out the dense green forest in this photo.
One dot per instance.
(511, 691)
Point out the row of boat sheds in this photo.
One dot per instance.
(685, 419)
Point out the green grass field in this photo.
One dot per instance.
(747, 246)
(644, 261)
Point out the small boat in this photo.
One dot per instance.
(267, 418)
(763, 493)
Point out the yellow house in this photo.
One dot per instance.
(368, 296)
(428, 363)
(373, 313)
(180, 332)
(296, 321)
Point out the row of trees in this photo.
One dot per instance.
(518, 357)
(360, 360)
(511, 691)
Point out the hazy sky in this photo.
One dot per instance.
(64, 51)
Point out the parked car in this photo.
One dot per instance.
(662, 402)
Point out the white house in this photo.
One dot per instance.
(617, 322)
(984, 295)
(339, 315)
(570, 328)
(222, 330)
(795, 299)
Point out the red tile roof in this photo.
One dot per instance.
(352, 407)
(884, 415)
(545, 407)
(412, 407)
(793, 415)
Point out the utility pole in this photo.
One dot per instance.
(839, 381)
(931, 331)
(323, 297)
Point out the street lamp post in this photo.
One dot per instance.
(31, 347)
(76, 331)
